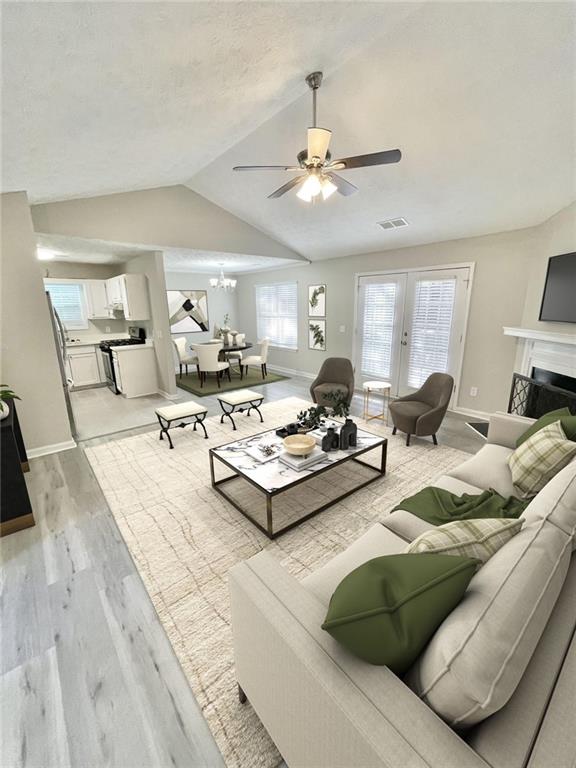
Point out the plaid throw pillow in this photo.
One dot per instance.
(478, 538)
(539, 458)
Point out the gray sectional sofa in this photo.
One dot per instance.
(496, 686)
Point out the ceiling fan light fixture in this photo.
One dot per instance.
(311, 188)
(328, 188)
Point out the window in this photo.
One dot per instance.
(69, 301)
(277, 314)
(431, 329)
(378, 316)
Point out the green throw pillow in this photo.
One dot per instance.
(562, 415)
(386, 610)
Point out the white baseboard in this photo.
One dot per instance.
(484, 415)
(168, 395)
(45, 450)
(293, 372)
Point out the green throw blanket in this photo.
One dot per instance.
(437, 506)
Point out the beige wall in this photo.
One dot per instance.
(497, 300)
(555, 236)
(167, 217)
(152, 265)
(29, 361)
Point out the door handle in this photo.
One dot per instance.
(404, 343)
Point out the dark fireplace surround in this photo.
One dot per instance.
(544, 391)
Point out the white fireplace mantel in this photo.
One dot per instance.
(529, 333)
(544, 349)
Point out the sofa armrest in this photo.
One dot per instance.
(505, 428)
(320, 705)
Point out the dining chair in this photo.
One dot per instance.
(208, 362)
(184, 357)
(260, 359)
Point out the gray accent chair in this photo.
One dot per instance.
(422, 412)
(335, 375)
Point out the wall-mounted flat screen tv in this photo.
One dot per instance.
(559, 299)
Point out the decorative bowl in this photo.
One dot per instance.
(299, 445)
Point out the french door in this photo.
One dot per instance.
(409, 325)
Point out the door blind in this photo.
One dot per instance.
(379, 301)
(277, 314)
(68, 301)
(431, 329)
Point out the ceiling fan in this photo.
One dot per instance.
(316, 161)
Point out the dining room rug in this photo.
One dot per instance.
(184, 538)
(191, 383)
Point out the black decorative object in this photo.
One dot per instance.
(348, 435)
(328, 440)
(533, 397)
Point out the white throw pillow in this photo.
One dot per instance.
(539, 458)
(479, 653)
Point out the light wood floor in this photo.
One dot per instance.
(89, 678)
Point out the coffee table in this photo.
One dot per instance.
(273, 477)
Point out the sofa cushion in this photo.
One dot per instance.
(377, 541)
(539, 458)
(410, 409)
(480, 538)
(556, 502)
(487, 469)
(477, 657)
(562, 414)
(455, 486)
(386, 610)
(406, 525)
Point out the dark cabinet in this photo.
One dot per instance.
(15, 507)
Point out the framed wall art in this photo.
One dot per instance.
(317, 301)
(317, 334)
(188, 311)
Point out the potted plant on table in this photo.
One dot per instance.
(6, 394)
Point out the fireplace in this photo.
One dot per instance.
(535, 395)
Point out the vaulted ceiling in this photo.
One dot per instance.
(480, 98)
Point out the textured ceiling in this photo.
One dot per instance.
(78, 250)
(105, 97)
(479, 97)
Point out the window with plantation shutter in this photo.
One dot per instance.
(431, 329)
(69, 301)
(277, 314)
(378, 314)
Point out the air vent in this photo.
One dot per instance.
(396, 223)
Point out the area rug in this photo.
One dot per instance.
(184, 539)
(191, 383)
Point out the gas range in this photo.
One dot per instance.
(105, 345)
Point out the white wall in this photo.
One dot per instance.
(499, 290)
(219, 303)
(167, 217)
(152, 266)
(29, 361)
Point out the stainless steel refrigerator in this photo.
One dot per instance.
(59, 331)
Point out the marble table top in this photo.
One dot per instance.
(273, 475)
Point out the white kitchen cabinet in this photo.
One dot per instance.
(97, 299)
(135, 370)
(128, 294)
(83, 365)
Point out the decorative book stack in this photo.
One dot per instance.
(299, 463)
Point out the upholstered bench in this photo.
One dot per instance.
(239, 401)
(179, 412)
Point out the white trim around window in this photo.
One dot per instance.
(277, 313)
(70, 301)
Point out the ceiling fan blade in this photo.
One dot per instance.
(361, 161)
(267, 168)
(288, 186)
(318, 141)
(343, 186)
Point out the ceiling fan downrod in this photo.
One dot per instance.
(314, 80)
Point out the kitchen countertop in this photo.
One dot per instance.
(133, 347)
(90, 341)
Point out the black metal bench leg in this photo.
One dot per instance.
(227, 414)
(257, 409)
(434, 440)
(200, 421)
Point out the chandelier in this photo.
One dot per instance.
(222, 283)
